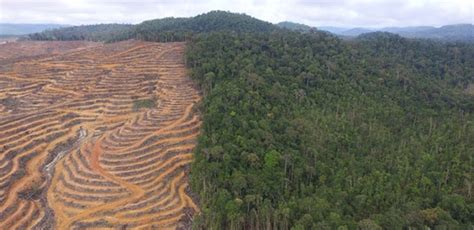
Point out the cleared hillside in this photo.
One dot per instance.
(96, 136)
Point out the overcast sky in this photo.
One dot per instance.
(349, 13)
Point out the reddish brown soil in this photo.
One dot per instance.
(74, 151)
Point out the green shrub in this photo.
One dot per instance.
(144, 103)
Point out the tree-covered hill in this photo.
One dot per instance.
(164, 30)
(100, 32)
(295, 26)
(307, 131)
(178, 29)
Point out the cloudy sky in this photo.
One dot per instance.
(350, 13)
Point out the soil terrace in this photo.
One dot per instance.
(75, 150)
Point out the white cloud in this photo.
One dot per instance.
(374, 13)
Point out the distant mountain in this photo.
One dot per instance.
(333, 29)
(355, 32)
(459, 32)
(412, 29)
(22, 29)
(295, 26)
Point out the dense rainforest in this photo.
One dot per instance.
(308, 131)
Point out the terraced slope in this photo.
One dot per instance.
(28, 49)
(96, 136)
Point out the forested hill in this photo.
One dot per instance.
(166, 29)
(177, 29)
(309, 131)
(99, 32)
(295, 26)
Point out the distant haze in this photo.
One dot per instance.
(20, 29)
(341, 13)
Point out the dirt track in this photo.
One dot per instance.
(74, 150)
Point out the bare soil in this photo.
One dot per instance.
(75, 149)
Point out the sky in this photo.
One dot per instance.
(342, 13)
